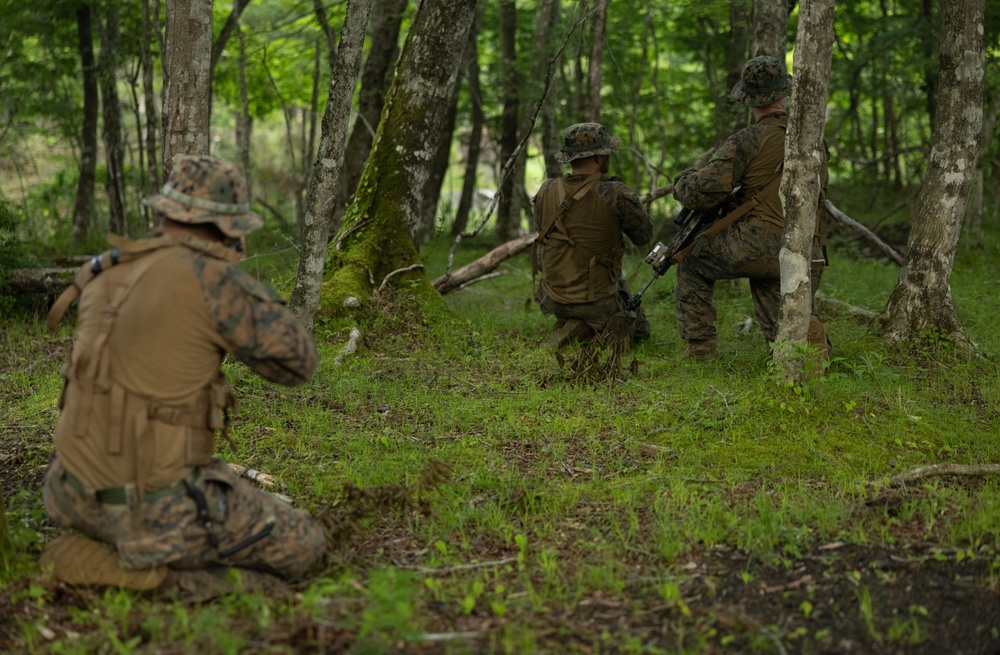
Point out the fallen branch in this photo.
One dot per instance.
(460, 567)
(888, 250)
(845, 307)
(485, 264)
(48, 281)
(934, 470)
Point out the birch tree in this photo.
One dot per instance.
(322, 194)
(376, 249)
(802, 179)
(921, 305)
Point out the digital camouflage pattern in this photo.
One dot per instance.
(763, 81)
(747, 249)
(586, 140)
(207, 190)
(144, 399)
(747, 161)
(169, 531)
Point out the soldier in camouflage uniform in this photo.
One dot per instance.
(580, 220)
(144, 398)
(746, 164)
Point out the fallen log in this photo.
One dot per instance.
(484, 265)
(888, 250)
(48, 281)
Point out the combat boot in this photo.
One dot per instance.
(701, 348)
(567, 332)
(80, 560)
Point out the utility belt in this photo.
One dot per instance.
(121, 495)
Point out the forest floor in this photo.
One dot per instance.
(694, 507)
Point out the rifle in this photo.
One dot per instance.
(691, 225)
(695, 229)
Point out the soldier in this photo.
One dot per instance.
(144, 398)
(580, 220)
(747, 165)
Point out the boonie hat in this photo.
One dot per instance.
(204, 189)
(763, 81)
(586, 140)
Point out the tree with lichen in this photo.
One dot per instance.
(374, 251)
(921, 304)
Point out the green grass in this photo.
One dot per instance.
(567, 504)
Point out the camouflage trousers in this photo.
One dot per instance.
(597, 314)
(746, 249)
(220, 521)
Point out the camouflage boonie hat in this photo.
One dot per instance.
(207, 190)
(586, 140)
(763, 81)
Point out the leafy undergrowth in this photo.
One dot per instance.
(487, 505)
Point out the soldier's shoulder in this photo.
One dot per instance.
(614, 191)
(221, 280)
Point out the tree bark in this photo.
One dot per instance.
(187, 80)
(377, 233)
(768, 28)
(802, 180)
(921, 304)
(114, 151)
(83, 208)
(152, 179)
(387, 16)
(232, 24)
(326, 171)
(508, 214)
(475, 131)
(730, 115)
(596, 59)
(438, 169)
(244, 121)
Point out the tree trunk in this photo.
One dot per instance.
(244, 121)
(114, 151)
(83, 209)
(921, 305)
(6, 545)
(377, 229)
(730, 115)
(768, 29)
(596, 59)
(801, 181)
(508, 215)
(387, 15)
(187, 80)
(475, 131)
(232, 24)
(438, 169)
(152, 183)
(326, 171)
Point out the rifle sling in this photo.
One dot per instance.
(727, 220)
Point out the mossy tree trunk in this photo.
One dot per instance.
(187, 80)
(802, 180)
(325, 181)
(921, 304)
(377, 234)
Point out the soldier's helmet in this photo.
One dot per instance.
(207, 190)
(586, 140)
(763, 81)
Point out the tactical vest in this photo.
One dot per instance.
(581, 242)
(112, 430)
